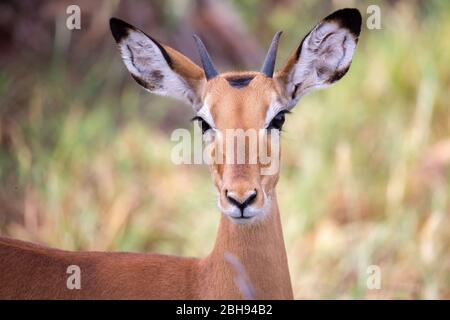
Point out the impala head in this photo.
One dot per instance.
(253, 101)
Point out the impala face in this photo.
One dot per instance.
(255, 102)
(247, 114)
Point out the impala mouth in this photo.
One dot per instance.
(242, 219)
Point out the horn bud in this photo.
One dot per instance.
(269, 62)
(208, 66)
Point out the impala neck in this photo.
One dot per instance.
(261, 260)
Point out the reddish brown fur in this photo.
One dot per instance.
(29, 271)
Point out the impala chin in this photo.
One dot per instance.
(249, 215)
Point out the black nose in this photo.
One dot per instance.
(241, 204)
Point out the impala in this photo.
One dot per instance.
(249, 256)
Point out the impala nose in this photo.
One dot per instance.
(243, 201)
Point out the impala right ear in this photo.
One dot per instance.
(323, 57)
(157, 67)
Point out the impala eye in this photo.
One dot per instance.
(277, 121)
(202, 123)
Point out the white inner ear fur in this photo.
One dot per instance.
(145, 61)
(325, 52)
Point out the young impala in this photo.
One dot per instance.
(249, 256)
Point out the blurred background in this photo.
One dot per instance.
(85, 152)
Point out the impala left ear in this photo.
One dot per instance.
(323, 57)
(157, 67)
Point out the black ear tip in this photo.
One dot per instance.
(119, 28)
(349, 18)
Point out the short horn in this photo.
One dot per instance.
(208, 67)
(269, 62)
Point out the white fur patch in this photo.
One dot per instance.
(274, 108)
(205, 114)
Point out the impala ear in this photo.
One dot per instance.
(323, 57)
(157, 67)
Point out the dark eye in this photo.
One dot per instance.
(202, 123)
(277, 121)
